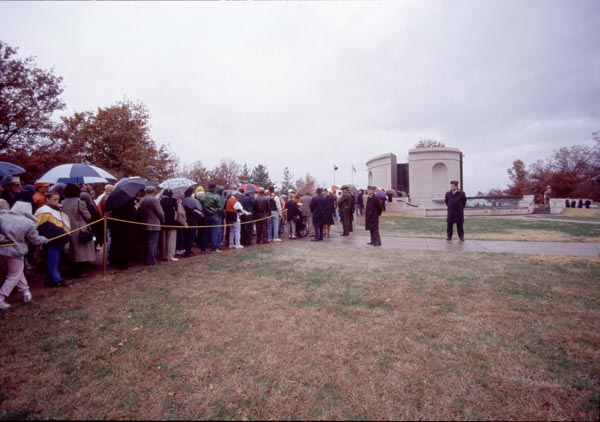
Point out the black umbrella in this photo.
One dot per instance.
(7, 168)
(124, 192)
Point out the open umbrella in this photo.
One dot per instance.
(352, 189)
(333, 188)
(76, 173)
(7, 168)
(250, 187)
(125, 191)
(177, 182)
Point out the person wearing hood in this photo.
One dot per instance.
(17, 231)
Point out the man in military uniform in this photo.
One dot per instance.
(456, 200)
(345, 206)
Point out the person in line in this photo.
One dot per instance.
(261, 212)
(329, 212)
(12, 191)
(17, 230)
(152, 214)
(168, 235)
(233, 211)
(373, 210)
(53, 224)
(86, 196)
(122, 234)
(317, 209)
(213, 210)
(306, 213)
(80, 252)
(39, 197)
(359, 203)
(456, 200)
(246, 219)
(293, 216)
(276, 212)
(193, 215)
(101, 200)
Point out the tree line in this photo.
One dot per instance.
(571, 172)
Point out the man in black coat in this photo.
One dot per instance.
(317, 208)
(372, 212)
(456, 200)
(345, 205)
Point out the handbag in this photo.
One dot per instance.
(85, 235)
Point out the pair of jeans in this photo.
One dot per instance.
(52, 263)
(274, 230)
(211, 233)
(151, 246)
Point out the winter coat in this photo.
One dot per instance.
(79, 216)
(53, 223)
(17, 230)
(317, 208)
(372, 212)
(456, 203)
(293, 211)
(169, 206)
(151, 213)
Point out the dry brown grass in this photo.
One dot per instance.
(295, 331)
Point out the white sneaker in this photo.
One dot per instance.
(174, 259)
(27, 296)
(4, 305)
(240, 246)
(276, 240)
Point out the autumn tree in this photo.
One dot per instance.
(117, 139)
(226, 173)
(260, 177)
(287, 182)
(519, 177)
(198, 173)
(307, 184)
(28, 97)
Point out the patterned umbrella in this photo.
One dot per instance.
(76, 173)
(177, 182)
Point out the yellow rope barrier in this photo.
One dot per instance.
(147, 224)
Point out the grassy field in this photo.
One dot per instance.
(531, 228)
(299, 330)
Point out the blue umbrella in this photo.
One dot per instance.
(76, 173)
(125, 191)
(7, 168)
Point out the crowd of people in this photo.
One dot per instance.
(61, 228)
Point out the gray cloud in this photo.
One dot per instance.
(306, 85)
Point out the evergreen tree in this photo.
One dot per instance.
(260, 177)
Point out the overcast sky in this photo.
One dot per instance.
(311, 84)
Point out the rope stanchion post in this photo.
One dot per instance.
(104, 247)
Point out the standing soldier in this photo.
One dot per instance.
(372, 212)
(456, 200)
(345, 204)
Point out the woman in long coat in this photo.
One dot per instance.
(79, 216)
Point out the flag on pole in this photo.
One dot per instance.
(353, 168)
(335, 167)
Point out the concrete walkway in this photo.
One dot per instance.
(489, 246)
